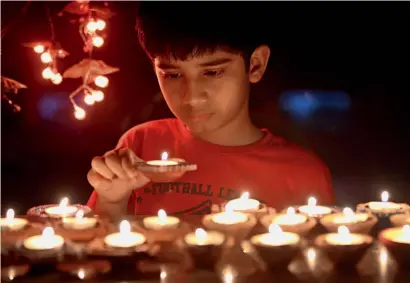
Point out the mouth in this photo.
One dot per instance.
(200, 116)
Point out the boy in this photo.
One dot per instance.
(205, 63)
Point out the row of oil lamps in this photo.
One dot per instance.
(285, 229)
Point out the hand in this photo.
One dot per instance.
(114, 176)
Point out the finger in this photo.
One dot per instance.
(129, 161)
(113, 162)
(97, 181)
(99, 166)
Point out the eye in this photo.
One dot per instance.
(213, 73)
(171, 75)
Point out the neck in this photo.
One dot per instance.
(239, 132)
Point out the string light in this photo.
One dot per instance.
(91, 28)
(50, 52)
(92, 25)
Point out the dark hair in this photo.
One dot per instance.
(180, 30)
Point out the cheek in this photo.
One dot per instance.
(229, 95)
(171, 91)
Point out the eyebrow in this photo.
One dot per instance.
(211, 63)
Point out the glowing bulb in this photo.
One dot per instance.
(47, 73)
(57, 79)
(46, 57)
(385, 196)
(97, 95)
(79, 113)
(89, 99)
(100, 24)
(91, 26)
(125, 227)
(38, 48)
(164, 155)
(98, 41)
(312, 201)
(101, 81)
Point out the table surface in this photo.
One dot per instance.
(311, 266)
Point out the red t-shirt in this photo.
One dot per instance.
(272, 170)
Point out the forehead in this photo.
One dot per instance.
(207, 59)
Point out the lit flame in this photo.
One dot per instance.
(385, 196)
(406, 230)
(12, 273)
(200, 234)
(348, 212)
(228, 274)
(311, 256)
(275, 229)
(10, 214)
(228, 208)
(48, 232)
(164, 155)
(343, 230)
(245, 195)
(290, 211)
(312, 201)
(81, 273)
(125, 227)
(163, 275)
(64, 202)
(162, 215)
(79, 214)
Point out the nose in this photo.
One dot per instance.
(194, 94)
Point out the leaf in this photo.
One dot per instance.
(94, 67)
(11, 85)
(77, 8)
(103, 12)
(45, 43)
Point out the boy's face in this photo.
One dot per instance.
(206, 92)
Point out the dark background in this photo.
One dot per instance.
(359, 49)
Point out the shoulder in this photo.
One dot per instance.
(295, 154)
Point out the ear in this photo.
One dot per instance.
(258, 63)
